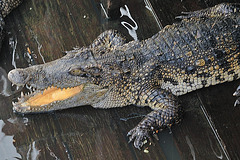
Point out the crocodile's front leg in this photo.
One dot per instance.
(166, 112)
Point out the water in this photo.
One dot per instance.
(38, 32)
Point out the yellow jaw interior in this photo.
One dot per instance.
(52, 94)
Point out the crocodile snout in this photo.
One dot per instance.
(18, 76)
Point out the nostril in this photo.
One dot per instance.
(18, 76)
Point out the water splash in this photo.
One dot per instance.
(33, 152)
(131, 28)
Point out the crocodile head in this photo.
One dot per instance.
(66, 82)
(84, 76)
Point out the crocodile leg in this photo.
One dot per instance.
(166, 112)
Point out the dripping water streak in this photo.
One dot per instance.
(52, 154)
(150, 8)
(67, 151)
(211, 145)
(39, 48)
(191, 148)
(104, 11)
(214, 130)
(14, 45)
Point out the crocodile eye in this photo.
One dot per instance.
(79, 72)
(75, 72)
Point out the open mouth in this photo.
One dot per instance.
(43, 100)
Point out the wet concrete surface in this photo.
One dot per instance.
(39, 31)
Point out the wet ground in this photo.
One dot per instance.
(39, 31)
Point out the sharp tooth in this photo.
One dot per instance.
(12, 84)
(22, 95)
(13, 103)
(17, 87)
(19, 99)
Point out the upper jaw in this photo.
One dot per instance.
(36, 77)
(18, 77)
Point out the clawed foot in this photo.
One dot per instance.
(237, 94)
(139, 136)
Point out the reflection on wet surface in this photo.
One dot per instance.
(42, 30)
(5, 84)
(8, 150)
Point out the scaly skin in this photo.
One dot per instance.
(6, 6)
(202, 50)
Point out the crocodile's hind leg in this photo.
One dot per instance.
(166, 112)
(218, 10)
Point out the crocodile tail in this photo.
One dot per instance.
(6, 6)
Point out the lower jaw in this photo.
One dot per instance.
(43, 102)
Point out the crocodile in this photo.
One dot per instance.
(6, 6)
(200, 50)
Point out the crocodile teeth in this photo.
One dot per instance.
(13, 103)
(17, 87)
(22, 95)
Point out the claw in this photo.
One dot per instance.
(237, 102)
(237, 94)
(139, 136)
